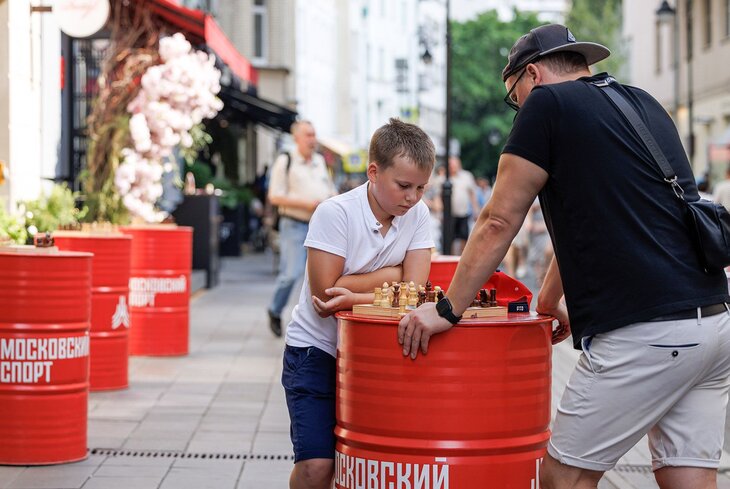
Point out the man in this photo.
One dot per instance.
(299, 182)
(653, 327)
(721, 194)
(464, 203)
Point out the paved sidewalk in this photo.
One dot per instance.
(217, 418)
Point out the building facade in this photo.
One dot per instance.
(30, 105)
(680, 62)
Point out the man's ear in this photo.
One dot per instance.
(534, 73)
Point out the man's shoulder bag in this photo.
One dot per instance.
(275, 209)
(708, 222)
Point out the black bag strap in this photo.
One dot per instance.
(633, 117)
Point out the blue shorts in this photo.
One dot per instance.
(309, 382)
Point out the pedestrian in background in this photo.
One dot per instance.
(463, 202)
(721, 192)
(653, 327)
(375, 233)
(299, 182)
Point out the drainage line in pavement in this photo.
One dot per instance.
(171, 454)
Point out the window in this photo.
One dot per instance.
(260, 31)
(707, 18)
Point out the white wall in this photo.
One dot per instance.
(315, 63)
(23, 146)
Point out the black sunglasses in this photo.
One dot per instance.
(512, 103)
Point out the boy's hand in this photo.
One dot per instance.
(342, 299)
(417, 327)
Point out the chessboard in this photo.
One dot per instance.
(398, 299)
(473, 312)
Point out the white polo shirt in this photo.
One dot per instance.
(346, 226)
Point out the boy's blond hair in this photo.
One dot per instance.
(398, 138)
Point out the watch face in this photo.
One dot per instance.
(443, 307)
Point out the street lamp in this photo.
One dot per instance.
(667, 15)
(447, 233)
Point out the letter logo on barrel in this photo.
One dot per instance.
(121, 314)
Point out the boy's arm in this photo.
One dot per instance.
(366, 282)
(416, 266)
(323, 270)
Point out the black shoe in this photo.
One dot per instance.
(275, 324)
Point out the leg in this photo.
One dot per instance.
(308, 378)
(686, 444)
(315, 473)
(554, 475)
(291, 268)
(686, 478)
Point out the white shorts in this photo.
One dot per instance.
(668, 379)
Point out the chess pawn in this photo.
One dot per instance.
(483, 299)
(421, 297)
(439, 293)
(385, 296)
(378, 296)
(493, 297)
(412, 297)
(402, 307)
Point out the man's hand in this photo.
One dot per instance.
(342, 299)
(560, 312)
(417, 327)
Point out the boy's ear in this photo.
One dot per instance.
(372, 171)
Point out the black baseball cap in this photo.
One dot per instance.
(548, 39)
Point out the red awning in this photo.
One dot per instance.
(199, 26)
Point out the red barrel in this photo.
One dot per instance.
(45, 306)
(508, 288)
(109, 312)
(159, 289)
(473, 412)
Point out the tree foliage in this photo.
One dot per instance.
(479, 53)
(599, 21)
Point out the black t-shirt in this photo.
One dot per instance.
(621, 242)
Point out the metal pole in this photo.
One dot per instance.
(446, 191)
(690, 96)
(676, 62)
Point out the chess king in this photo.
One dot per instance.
(378, 232)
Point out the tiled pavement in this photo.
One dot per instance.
(217, 418)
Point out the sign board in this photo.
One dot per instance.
(81, 18)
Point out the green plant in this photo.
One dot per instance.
(53, 211)
(11, 227)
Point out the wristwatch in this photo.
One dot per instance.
(444, 309)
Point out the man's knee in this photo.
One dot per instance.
(314, 473)
(554, 475)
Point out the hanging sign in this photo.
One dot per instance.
(81, 18)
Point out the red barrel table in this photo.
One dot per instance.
(508, 288)
(109, 311)
(45, 306)
(473, 412)
(159, 289)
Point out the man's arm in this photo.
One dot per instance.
(518, 183)
(549, 301)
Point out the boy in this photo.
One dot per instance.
(375, 233)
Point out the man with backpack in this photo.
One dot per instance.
(299, 182)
